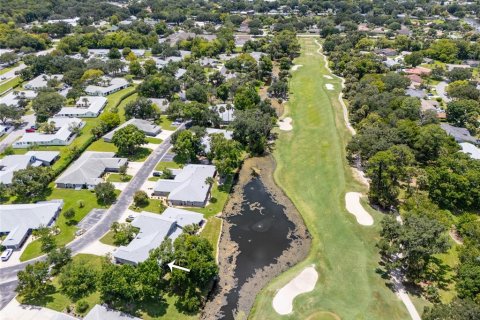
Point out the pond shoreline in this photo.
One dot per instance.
(231, 299)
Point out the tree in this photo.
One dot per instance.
(223, 92)
(114, 53)
(414, 59)
(279, 89)
(186, 146)
(30, 183)
(412, 244)
(10, 112)
(135, 68)
(457, 74)
(142, 108)
(46, 104)
(123, 233)
(444, 50)
(105, 192)
(464, 113)
(150, 67)
(140, 198)
(128, 139)
(462, 89)
(47, 239)
(116, 284)
(252, 128)
(92, 75)
(59, 258)
(246, 97)
(8, 58)
(47, 127)
(226, 154)
(458, 309)
(387, 169)
(197, 93)
(158, 87)
(77, 280)
(69, 213)
(34, 281)
(431, 142)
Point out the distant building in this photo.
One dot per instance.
(419, 71)
(106, 86)
(459, 134)
(154, 229)
(147, 127)
(41, 81)
(100, 312)
(86, 107)
(18, 220)
(63, 135)
(13, 97)
(470, 149)
(189, 187)
(227, 114)
(88, 170)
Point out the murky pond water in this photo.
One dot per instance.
(263, 236)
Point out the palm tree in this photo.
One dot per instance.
(85, 102)
(209, 181)
(229, 107)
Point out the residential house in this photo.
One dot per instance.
(450, 66)
(419, 71)
(459, 134)
(41, 81)
(64, 134)
(154, 229)
(416, 80)
(85, 107)
(387, 52)
(161, 103)
(12, 163)
(147, 127)
(88, 170)
(189, 186)
(470, 149)
(106, 86)
(13, 97)
(18, 220)
(101, 312)
(226, 113)
(207, 138)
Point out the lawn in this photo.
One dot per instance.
(150, 311)
(218, 199)
(102, 146)
(312, 170)
(166, 124)
(211, 232)
(71, 199)
(154, 205)
(162, 165)
(108, 239)
(117, 177)
(451, 261)
(9, 84)
(154, 140)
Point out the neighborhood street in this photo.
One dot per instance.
(441, 91)
(8, 275)
(17, 133)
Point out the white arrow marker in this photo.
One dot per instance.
(171, 265)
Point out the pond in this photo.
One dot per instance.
(263, 236)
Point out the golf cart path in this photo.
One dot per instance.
(399, 288)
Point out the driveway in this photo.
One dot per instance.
(441, 91)
(8, 275)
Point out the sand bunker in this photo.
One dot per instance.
(354, 206)
(285, 124)
(326, 76)
(329, 86)
(304, 282)
(296, 67)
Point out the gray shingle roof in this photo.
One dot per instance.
(100, 312)
(90, 167)
(148, 127)
(18, 219)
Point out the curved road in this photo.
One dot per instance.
(8, 275)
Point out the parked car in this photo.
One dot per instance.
(30, 130)
(130, 218)
(6, 254)
(80, 232)
(157, 173)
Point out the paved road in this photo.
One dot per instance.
(441, 92)
(8, 275)
(11, 74)
(29, 120)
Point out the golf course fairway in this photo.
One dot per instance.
(313, 172)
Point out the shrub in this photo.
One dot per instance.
(81, 306)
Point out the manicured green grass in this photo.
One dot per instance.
(117, 177)
(108, 239)
(312, 170)
(167, 164)
(71, 199)
(154, 206)
(211, 231)
(218, 199)
(9, 84)
(102, 146)
(450, 261)
(140, 155)
(154, 140)
(153, 178)
(166, 124)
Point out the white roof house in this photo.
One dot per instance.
(87, 171)
(207, 138)
(63, 135)
(470, 149)
(18, 220)
(12, 98)
(12, 163)
(41, 81)
(106, 86)
(189, 187)
(147, 127)
(161, 103)
(154, 228)
(100, 312)
(85, 107)
(226, 114)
